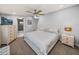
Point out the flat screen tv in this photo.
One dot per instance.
(5, 21)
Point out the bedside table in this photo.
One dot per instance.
(68, 39)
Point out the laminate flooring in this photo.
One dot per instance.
(20, 47)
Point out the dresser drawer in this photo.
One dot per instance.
(64, 39)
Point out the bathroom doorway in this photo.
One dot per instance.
(20, 26)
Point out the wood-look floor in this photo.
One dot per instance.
(20, 47)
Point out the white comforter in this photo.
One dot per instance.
(44, 41)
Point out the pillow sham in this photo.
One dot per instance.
(52, 30)
(42, 29)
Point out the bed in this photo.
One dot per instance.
(41, 41)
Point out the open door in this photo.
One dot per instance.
(20, 24)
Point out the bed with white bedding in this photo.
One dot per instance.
(41, 41)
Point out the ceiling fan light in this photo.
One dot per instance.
(36, 16)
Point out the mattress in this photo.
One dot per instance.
(40, 41)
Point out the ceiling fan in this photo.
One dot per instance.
(36, 12)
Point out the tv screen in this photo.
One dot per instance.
(5, 21)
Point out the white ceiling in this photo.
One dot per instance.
(19, 9)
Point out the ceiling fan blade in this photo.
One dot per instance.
(39, 11)
(41, 14)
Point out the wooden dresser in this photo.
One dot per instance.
(0, 36)
(8, 33)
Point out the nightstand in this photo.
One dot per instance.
(68, 39)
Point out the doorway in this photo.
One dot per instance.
(20, 26)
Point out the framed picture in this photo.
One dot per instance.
(5, 21)
(29, 22)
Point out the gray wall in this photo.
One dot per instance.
(68, 16)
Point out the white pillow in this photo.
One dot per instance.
(42, 29)
(53, 30)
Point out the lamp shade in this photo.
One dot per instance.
(68, 28)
